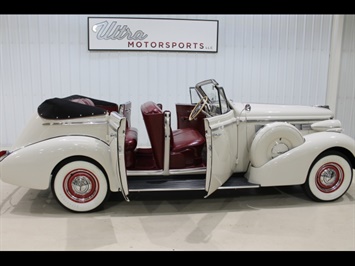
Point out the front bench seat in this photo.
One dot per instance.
(185, 144)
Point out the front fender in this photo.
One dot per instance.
(291, 168)
(31, 166)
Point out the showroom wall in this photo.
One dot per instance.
(345, 110)
(260, 58)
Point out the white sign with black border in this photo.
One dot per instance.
(146, 34)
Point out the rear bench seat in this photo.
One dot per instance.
(125, 110)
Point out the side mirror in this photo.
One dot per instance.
(247, 107)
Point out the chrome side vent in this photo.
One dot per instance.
(323, 106)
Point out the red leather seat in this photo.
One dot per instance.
(185, 144)
(130, 146)
(185, 138)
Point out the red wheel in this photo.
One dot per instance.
(329, 178)
(80, 186)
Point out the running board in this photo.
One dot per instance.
(183, 184)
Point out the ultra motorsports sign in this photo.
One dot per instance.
(138, 34)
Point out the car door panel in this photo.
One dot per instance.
(221, 139)
(117, 146)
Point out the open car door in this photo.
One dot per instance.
(222, 149)
(221, 127)
(117, 142)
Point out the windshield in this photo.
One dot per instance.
(217, 101)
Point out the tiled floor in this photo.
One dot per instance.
(266, 219)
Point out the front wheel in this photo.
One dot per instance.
(80, 186)
(329, 177)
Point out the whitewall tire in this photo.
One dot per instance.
(80, 186)
(329, 177)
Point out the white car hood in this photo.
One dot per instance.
(284, 112)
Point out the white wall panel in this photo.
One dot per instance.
(346, 95)
(261, 58)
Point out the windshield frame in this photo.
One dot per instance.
(223, 103)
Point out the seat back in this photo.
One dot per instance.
(153, 117)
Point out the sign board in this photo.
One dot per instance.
(145, 34)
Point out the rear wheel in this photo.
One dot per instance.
(329, 177)
(80, 186)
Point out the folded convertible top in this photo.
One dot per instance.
(74, 106)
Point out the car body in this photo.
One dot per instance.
(84, 148)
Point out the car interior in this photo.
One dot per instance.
(179, 148)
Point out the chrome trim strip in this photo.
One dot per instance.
(166, 142)
(226, 123)
(75, 123)
(284, 120)
(197, 171)
(120, 158)
(164, 189)
(144, 172)
(190, 189)
(59, 136)
(239, 187)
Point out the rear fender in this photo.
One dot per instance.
(32, 165)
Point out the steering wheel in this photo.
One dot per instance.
(198, 108)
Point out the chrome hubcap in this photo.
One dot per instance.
(80, 185)
(329, 177)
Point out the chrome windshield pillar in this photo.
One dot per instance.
(167, 137)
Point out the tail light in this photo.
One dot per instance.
(3, 154)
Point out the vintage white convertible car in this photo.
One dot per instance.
(83, 149)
